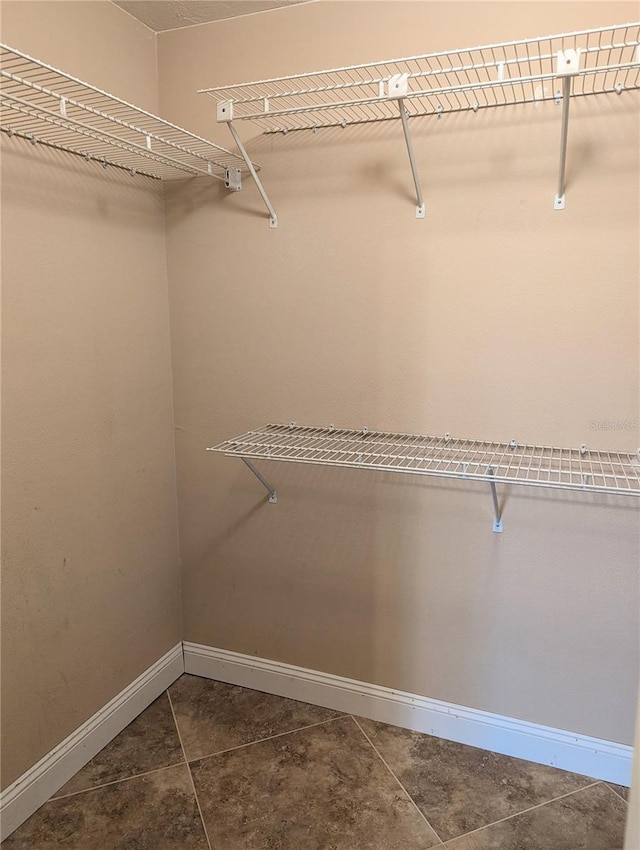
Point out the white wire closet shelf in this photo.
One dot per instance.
(555, 67)
(576, 469)
(449, 81)
(52, 108)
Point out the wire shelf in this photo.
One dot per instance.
(49, 107)
(524, 71)
(444, 457)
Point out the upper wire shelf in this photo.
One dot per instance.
(474, 78)
(554, 67)
(50, 107)
(577, 469)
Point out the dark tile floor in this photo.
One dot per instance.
(210, 766)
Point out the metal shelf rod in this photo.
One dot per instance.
(273, 218)
(273, 496)
(558, 203)
(497, 522)
(420, 209)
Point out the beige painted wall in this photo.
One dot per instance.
(496, 317)
(493, 318)
(90, 577)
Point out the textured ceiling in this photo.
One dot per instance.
(161, 15)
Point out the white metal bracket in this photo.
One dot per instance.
(402, 85)
(567, 66)
(224, 115)
(567, 63)
(497, 522)
(398, 85)
(273, 496)
(233, 179)
(224, 111)
(273, 218)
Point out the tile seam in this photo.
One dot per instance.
(115, 781)
(613, 790)
(412, 801)
(193, 785)
(269, 738)
(523, 812)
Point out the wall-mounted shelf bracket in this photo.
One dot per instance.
(273, 496)
(233, 179)
(567, 66)
(224, 114)
(398, 86)
(497, 522)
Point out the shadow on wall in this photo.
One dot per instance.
(185, 198)
(460, 129)
(451, 154)
(89, 188)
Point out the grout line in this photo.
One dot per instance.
(415, 805)
(122, 778)
(270, 738)
(626, 802)
(193, 785)
(114, 781)
(524, 811)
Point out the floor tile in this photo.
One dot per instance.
(591, 819)
(460, 788)
(157, 811)
(322, 788)
(149, 742)
(621, 790)
(213, 716)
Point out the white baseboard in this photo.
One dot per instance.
(23, 797)
(542, 744)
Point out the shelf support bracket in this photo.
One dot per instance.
(273, 218)
(497, 522)
(567, 66)
(420, 209)
(225, 115)
(273, 496)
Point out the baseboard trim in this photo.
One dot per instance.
(521, 739)
(24, 796)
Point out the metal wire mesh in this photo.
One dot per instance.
(537, 466)
(47, 106)
(452, 81)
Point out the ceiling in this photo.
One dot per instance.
(161, 15)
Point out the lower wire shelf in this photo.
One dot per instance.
(443, 457)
